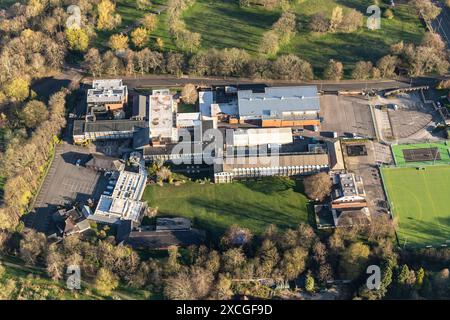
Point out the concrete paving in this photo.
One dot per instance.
(64, 184)
(344, 115)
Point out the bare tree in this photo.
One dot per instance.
(318, 186)
(189, 94)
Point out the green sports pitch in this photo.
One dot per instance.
(422, 153)
(420, 199)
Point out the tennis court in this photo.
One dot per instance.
(421, 153)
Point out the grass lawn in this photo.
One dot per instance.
(130, 19)
(214, 207)
(420, 201)
(224, 24)
(444, 151)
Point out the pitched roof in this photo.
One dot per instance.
(101, 162)
(276, 100)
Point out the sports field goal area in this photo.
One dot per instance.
(421, 153)
(419, 198)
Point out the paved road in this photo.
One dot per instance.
(149, 81)
(442, 23)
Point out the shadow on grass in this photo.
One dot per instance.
(419, 233)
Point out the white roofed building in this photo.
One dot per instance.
(162, 118)
(123, 203)
(106, 95)
(261, 136)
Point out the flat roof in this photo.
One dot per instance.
(261, 136)
(350, 185)
(205, 99)
(113, 125)
(117, 208)
(190, 119)
(130, 185)
(107, 90)
(161, 116)
(276, 100)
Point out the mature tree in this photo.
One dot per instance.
(387, 65)
(420, 276)
(319, 23)
(78, 39)
(105, 282)
(34, 113)
(362, 70)
(112, 64)
(285, 26)
(107, 18)
(179, 287)
(336, 18)
(268, 257)
(233, 260)
(293, 262)
(351, 21)
(259, 67)
(118, 42)
(143, 4)
(201, 282)
(164, 174)
(270, 43)
(291, 67)
(139, 37)
(32, 245)
(354, 260)
(318, 186)
(172, 264)
(319, 253)
(93, 62)
(324, 273)
(433, 40)
(334, 70)
(18, 89)
(150, 22)
(212, 262)
(189, 93)
(222, 289)
(55, 263)
(427, 9)
(175, 63)
(188, 41)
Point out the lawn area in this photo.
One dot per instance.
(420, 201)
(214, 207)
(443, 147)
(224, 24)
(8, 3)
(130, 19)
